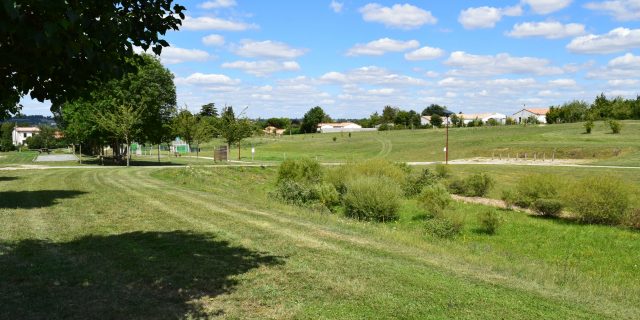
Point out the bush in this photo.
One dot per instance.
(536, 186)
(442, 171)
(294, 192)
(633, 219)
(489, 221)
(341, 175)
(445, 226)
(434, 199)
(303, 170)
(509, 198)
(615, 125)
(479, 184)
(372, 198)
(327, 195)
(588, 126)
(415, 183)
(548, 207)
(603, 199)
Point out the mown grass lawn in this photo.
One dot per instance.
(175, 243)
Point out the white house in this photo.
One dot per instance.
(524, 114)
(484, 117)
(426, 120)
(341, 127)
(20, 134)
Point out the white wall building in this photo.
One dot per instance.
(341, 127)
(426, 120)
(20, 134)
(484, 117)
(524, 114)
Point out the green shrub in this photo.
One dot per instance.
(478, 185)
(303, 170)
(341, 175)
(416, 182)
(457, 186)
(633, 218)
(445, 226)
(588, 126)
(489, 221)
(327, 195)
(615, 125)
(509, 198)
(442, 171)
(548, 207)
(600, 199)
(372, 198)
(294, 192)
(434, 199)
(537, 186)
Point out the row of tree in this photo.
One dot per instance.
(602, 108)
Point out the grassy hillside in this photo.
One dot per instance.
(567, 140)
(171, 243)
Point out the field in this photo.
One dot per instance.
(152, 242)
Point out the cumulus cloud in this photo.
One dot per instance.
(213, 40)
(502, 63)
(621, 10)
(202, 79)
(424, 53)
(485, 17)
(619, 68)
(549, 30)
(262, 68)
(619, 39)
(267, 49)
(371, 75)
(563, 83)
(382, 46)
(218, 4)
(402, 16)
(214, 23)
(174, 55)
(547, 6)
(336, 6)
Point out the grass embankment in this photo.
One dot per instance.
(132, 243)
(568, 141)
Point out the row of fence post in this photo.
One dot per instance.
(525, 156)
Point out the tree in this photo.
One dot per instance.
(51, 50)
(455, 120)
(389, 114)
(279, 123)
(203, 131)
(436, 120)
(209, 110)
(44, 139)
(601, 107)
(312, 118)
(184, 126)
(6, 138)
(434, 109)
(123, 122)
(233, 130)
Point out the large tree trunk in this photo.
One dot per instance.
(238, 150)
(128, 148)
(198, 150)
(80, 153)
(158, 152)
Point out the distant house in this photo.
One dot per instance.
(484, 117)
(271, 130)
(341, 127)
(20, 134)
(426, 120)
(524, 114)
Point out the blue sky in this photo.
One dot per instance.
(352, 57)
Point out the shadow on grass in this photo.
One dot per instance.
(34, 199)
(139, 275)
(8, 179)
(133, 162)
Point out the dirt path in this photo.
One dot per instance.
(489, 202)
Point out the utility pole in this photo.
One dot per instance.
(446, 147)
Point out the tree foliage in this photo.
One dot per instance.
(52, 50)
(434, 109)
(312, 118)
(209, 110)
(231, 129)
(122, 121)
(184, 126)
(6, 138)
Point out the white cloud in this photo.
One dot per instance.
(262, 68)
(371, 75)
(267, 49)
(202, 79)
(563, 83)
(213, 23)
(173, 55)
(381, 92)
(502, 63)
(619, 68)
(424, 53)
(621, 10)
(382, 46)
(547, 6)
(218, 4)
(402, 16)
(549, 30)
(336, 6)
(213, 40)
(485, 17)
(623, 82)
(619, 39)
